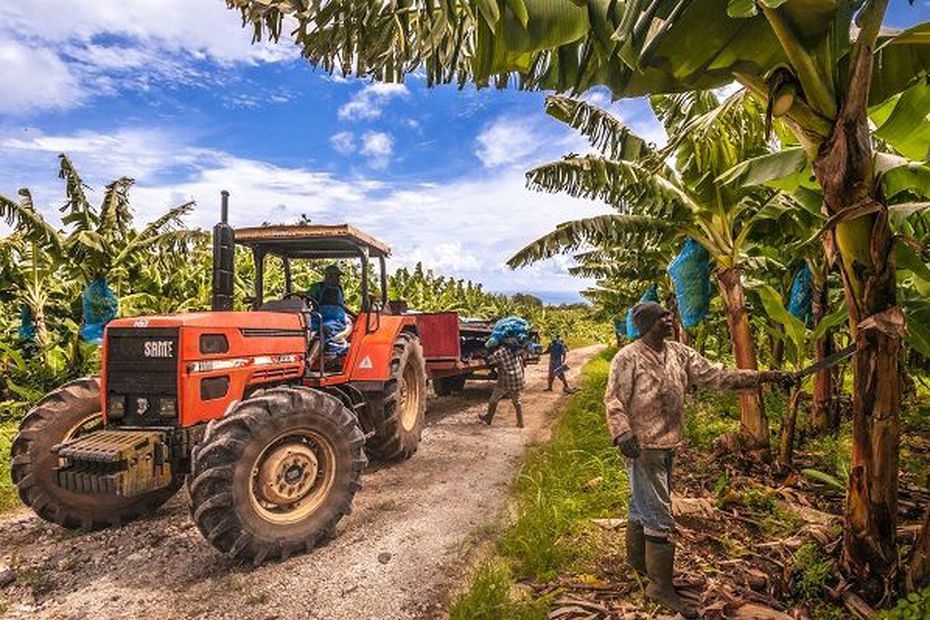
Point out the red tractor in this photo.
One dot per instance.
(269, 431)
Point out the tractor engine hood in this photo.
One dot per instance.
(242, 320)
(202, 360)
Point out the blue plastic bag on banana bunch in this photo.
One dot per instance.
(27, 324)
(512, 328)
(801, 298)
(99, 306)
(690, 272)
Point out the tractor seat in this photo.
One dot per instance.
(291, 304)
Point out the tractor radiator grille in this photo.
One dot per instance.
(114, 462)
(142, 369)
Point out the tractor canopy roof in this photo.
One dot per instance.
(301, 241)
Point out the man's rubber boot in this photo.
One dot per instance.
(489, 416)
(519, 410)
(660, 562)
(636, 547)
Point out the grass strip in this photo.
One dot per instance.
(563, 485)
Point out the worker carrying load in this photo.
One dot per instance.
(510, 328)
(644, 401)
(507, 344)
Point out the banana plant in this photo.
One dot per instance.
(658, 204)
(801, 344)
(97, 244)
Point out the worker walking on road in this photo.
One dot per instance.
(644, 400)
(557, 351)
(507, 360)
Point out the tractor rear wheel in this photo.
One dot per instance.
(398, 436)
(446, 386)
(276, 474)
(66, 413)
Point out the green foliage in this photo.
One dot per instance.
(490, 597)
(708, 417)
(813, 570)
(914, 606)
(7, 491)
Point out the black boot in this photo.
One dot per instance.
(519, 410)
(660, 562)
(486, 418)
(636, 547)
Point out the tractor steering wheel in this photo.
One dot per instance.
(309, 301)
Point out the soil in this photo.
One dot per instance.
(396, 556)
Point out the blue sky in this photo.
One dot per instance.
(173, 94)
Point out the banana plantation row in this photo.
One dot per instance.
(59, 286)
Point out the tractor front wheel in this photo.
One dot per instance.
(276, 474)
(64, 414)
(398, 435)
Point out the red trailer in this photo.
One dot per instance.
(454, 350)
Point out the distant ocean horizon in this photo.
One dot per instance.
(552, 298)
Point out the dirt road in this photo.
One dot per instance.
(394, 557)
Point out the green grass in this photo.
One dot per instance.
(564, 484)
(8, 499)
(709, 416)
(491, 596)
(915, 606)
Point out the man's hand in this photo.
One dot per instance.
(628, 444)
(783, 378)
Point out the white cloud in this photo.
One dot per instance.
(84, 48)
(34, 79)
(378, 147)
(368, 103)
(465, 228)
(508, 141)
(343, 142)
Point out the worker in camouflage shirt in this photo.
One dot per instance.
(644, 401)
(507, 360)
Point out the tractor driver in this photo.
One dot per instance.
(329, 290)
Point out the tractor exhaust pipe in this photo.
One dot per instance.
(224, 248)
(224, 207)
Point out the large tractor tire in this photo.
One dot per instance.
(69, 412)
(398, 436)
(276, 474)
(446, 386)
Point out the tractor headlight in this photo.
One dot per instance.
(116, 407)
(167, 407)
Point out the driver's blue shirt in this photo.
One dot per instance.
(318, 289)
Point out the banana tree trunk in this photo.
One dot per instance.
(788, 426)
(864, 240)
(823, 416)
(778, 350)
(918, 575)
(38, 317)
(754, 425)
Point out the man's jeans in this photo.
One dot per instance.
(651, 497)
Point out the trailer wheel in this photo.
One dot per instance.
(398, 436)
(276, 474)
(66, 413)
(445, 386)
